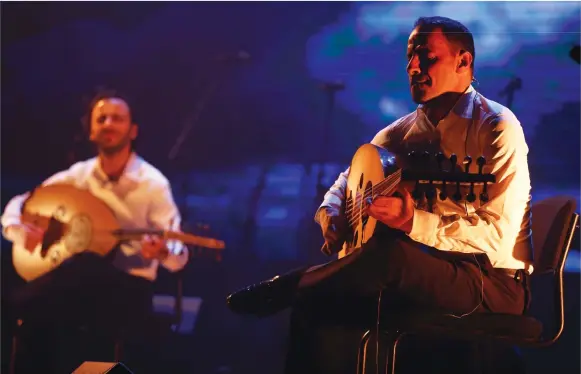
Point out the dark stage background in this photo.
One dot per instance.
(249, 166)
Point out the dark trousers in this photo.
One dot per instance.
(86, 290)
(330, 317)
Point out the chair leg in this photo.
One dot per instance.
(118, 349)
(392, 340)
(391, 353)
(13, 352)
(362, 354)
(14, 348)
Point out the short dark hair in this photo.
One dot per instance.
(454, 31)
(103, 93)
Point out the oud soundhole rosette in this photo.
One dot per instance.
(60, 213)
(79, 235)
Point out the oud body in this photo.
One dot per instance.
(374, 172)
(76, 221)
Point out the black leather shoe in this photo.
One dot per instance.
(267, 297)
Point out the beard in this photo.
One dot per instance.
(420, 94)
(110, 148)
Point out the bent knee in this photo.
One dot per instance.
(393, 251)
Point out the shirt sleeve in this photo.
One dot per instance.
(165, 215)
(335, 196)
(496, 223)
(13, 209)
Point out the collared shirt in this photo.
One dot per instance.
(141, 198)
(501, 227)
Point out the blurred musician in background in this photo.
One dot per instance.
(88, 287)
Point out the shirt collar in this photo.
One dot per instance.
(131, 169)
(463, 107)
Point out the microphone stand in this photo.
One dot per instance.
(574, 53)
(191, 121)
(514, 85)
(331, 89)
(194, 117)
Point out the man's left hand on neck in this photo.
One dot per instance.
(153, 247)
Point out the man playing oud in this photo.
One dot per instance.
(454, 257)
(87, 286)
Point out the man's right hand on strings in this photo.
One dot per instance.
(27, 235)
(334, 228)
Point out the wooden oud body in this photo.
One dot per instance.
(72, 218)
(370, 165)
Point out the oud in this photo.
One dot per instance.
(374, 172)
(76, 221)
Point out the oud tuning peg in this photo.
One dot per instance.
(440, 159)
(417, 193)
(457, 195)
(443, 194)
(484, 195)
(420, 160)
(471, 197)
(430, 192)
(467, 162)
(453, 160)
(413, 158)
(480, 161)
(426, 158)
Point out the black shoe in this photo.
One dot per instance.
(267, 297)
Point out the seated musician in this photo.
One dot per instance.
(453, 257)
(88, 286)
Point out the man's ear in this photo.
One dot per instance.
(465, 60)
(92, 135)
(134, 131)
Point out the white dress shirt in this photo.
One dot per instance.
(501, 227)
(141, 198)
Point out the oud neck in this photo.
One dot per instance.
(136, 234)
